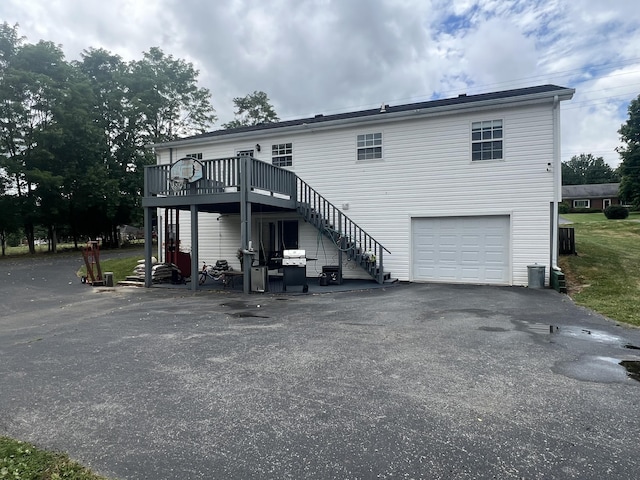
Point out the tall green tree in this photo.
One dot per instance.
(167, 100)
(9, 217)
(630, 155)
(163, 102)
(31, 84)
(586, 169)
(119, 152)
(252, 109)
(74, 136)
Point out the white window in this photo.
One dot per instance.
(282, 155)
(606, 203)
(197, 156)
(582, 204)
(245, 153)
(369, 146)
(486, 140)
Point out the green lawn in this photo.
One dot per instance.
(121, 267)
(23, 461)
(605, 274)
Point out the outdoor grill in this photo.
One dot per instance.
(295, 258)
(294, 269)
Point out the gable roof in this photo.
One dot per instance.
(596, 190)
(531, 94)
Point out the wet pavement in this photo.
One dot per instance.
(413, 381)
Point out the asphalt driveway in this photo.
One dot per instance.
(413, 381)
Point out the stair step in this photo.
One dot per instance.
(350, 246)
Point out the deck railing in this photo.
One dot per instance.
(223, 175)
(228, 175)
(346, 234)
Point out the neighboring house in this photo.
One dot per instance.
(460, 190)
(599, 195)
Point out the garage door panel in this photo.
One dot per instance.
(461, 249)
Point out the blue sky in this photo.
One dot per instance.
(327, 56)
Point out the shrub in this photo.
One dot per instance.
(616, 212)
(563, 207)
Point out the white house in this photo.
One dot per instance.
(459, 190)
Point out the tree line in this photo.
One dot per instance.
(74, 135)
(587, 169)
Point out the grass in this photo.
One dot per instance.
(23, 461)
(40, 249)
(121, 267)
(605, 274)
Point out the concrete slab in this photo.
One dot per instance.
(413, 381)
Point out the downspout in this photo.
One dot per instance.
(557, 182)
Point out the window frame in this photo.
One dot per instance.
(195, 156)
(281, 151)
(371, 144)
(586, 200)
(491, 135)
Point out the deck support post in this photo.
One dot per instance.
(194, 247)
(148, 244)
(245, 221)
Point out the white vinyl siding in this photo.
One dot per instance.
(430, 175)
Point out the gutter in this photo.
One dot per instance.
(561, 94)
(557, 184)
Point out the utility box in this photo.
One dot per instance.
(259, 279)
(536, 276)
(108, 279)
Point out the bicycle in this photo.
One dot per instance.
(215, 273)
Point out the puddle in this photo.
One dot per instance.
(633, 368)
(237, 305)
(493, 329)
(581, 333)
(247, 315)
(589, 368)
(354, 324)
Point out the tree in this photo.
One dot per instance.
(168, 101)
(252, 109)
(586, 169)
(74, 136)
(630, 154)
(32, 82)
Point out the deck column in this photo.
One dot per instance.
(245, 219)
(148, 241)
(194, 247)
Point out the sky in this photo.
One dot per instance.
(331, 56)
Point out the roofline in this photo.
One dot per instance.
(422, 110)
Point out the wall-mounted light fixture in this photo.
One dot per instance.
(258, 147)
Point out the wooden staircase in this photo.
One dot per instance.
(351, 240)
(229, 184)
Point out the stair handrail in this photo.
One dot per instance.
(300, 199)
(327, 212)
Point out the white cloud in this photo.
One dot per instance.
(314, 56)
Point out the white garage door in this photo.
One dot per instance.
(461, 249)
